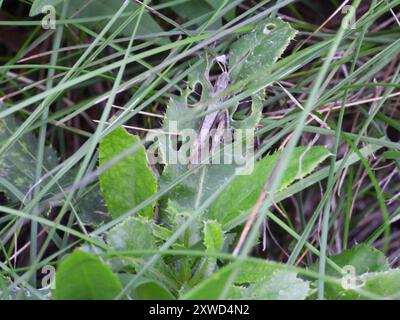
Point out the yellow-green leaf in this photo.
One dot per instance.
(243, 192)
(129, 182)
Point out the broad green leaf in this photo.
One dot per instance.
(383, 285)
(211, 288)
(368, 264)
(91, 207)
(193, 191)
(134, 233)
(259, 49)
(129, 182)
(249, 272)
(283, 285)
(362, 257)
(193, 9)
(152, 290)
(258, 270)
(82, 276)
(18, 163)
(18, 171)
(38, 5)
(243, 192)
(99, 8)
(146, 289)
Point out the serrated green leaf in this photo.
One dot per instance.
(196, 188)
(243, 192)
(259, 49)
(161, 233)
(131, 181)
(213, 236)
(134, 233)
(249, 272)
(385, 284)
(173, 215)
(254, 271)
(82, 276)
(283, 285)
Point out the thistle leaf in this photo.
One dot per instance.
(129, 182)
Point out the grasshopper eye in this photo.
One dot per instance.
(269, 27)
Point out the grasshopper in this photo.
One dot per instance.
(219, 118)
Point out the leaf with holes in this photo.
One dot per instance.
(259, 49)
(251, 53)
